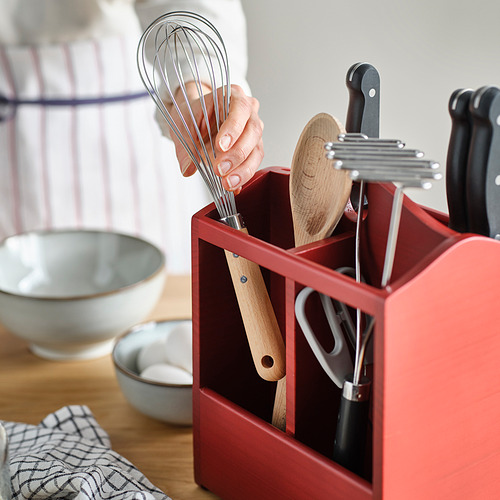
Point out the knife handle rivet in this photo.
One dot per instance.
(497, 180)
(372, 93)
(498, 120)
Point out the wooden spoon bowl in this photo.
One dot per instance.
(318, 192)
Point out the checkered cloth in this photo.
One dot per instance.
(68, 456)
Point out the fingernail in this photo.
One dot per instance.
(224, 167)
(225, 142)
(185, 165)
(233, 181)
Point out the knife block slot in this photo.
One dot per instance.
(436, 350)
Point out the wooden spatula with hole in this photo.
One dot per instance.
(318, 196)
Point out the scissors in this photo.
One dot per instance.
(337, 363)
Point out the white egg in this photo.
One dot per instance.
(168, 374)
(152, 353)
(179, 346)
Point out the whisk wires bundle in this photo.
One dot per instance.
(186, 49)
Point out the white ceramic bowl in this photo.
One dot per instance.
(170, 403)
(71, 293)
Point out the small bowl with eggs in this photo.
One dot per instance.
(153, 366)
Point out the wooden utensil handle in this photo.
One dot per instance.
(279, 409)
(261, 326)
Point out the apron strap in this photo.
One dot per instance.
(8, 106)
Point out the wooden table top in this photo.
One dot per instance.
(31, 388)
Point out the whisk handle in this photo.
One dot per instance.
(262, 330)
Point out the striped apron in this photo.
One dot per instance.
(79, 148)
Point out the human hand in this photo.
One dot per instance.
(238, 144)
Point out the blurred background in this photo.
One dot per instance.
(300, 53)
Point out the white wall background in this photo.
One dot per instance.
(423, 50)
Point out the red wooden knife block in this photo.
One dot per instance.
(435, 397)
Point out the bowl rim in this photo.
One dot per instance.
(87, 296)
(129, 373)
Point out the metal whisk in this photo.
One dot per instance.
(187, 48)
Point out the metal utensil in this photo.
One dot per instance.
(404, 172)
(457, 159)
(187, 47)
(483, 170)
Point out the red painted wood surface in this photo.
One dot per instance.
(435, 402)
(243, 457)
(440, 404)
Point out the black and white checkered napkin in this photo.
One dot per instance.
(69, 456)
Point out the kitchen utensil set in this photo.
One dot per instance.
(473, 161)
(321, 187)
(177, 38)
(473, 193)
(365, 158)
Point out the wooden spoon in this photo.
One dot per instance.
(318, 196)
(318, 192)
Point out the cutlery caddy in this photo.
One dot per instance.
(435, 406)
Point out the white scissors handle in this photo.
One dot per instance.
(337, 363)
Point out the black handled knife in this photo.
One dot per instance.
(483, 170)
(363, 112)
(457, 158)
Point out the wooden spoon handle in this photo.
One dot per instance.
(261, 326)
(279, 409)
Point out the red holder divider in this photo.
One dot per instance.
(436, 354)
